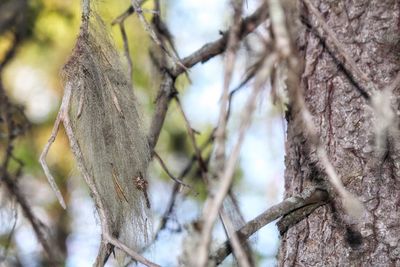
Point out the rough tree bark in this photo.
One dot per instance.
(370, 32)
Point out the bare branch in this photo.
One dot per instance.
(308, 197)
(126, 50)
(42, 160)
(183, 174)
(212, 49)
(153, 35)
(202, 164)
(229, 64)
(213, 203)
(170, 175)
(238, 251)
(136, 256)
(165, 94)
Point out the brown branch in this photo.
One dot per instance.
(308, 197)
(129, 11)
(167, 91)
(121, 18)
(126, 50)
(212, 49)
(165, 94)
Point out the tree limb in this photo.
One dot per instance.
(308, 197)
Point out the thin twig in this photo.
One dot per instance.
(129, 11)
(229, 64)
(202, 165)
(126, 50)
(213, 205)
(43, 155)
(149, 29)
(175, 190)
(238, 250)
(170, 175)
(136, 256)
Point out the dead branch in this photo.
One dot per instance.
(213, 203)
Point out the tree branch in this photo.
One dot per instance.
(165, 94)
(212, 49)
(308, 197)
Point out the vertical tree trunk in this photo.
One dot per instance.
(370, 32)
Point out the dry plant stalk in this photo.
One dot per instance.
(101, 118)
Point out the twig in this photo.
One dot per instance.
(238, 251)
(172, 200)
(308, 197)
(212, 49)
(153, 35)
(110, 239)
(162, 31)
(126, 50)
(202, 165)
(213, 205)
(170, 175)
(220, 132)
(121, 18)
(296, 216)
(129, 11)
(42, 159)
(229, 64)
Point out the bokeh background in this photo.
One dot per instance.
(32, 79)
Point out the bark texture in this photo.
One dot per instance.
(370, 32)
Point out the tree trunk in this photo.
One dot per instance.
(370, 32)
